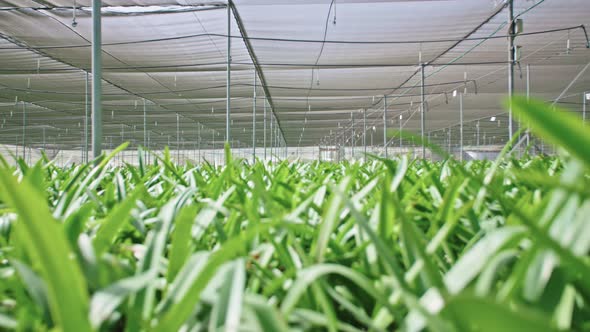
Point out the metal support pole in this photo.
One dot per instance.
(122, 154)
(86, 119)
(228, 72)
(511, 33)
(400, 133)
(271, 137)
(477, 128)
(177, 138)
(422, 113)
(24, 132)
(199, 141)
(96, 80)
(254, 122)
(449, 141)
(264, 128)
(144, 124)
(352, 136)
(528, 96)
(461, 126)
(43, 139)
(385, 125)
(365, 134)
(148, 146)
(584, 107)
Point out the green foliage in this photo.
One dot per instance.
(382, 245)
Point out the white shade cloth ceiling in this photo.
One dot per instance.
(175, 58)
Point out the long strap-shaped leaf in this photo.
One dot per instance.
(45, 242)
(558, 127)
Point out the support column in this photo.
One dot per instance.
(144, 125)
(352, 136)
(122, 154)
(400, 132)
(149, 160)
(365, 134)
(528, 96)
(584, 107)
(254, 122)
(422, 112)
(24, 132)
(264, 128)
(385, 125)
(461, 126)
(511, 34)
(86, 119)
(96, 80)
(477, 128)
(271, 137)
(177, 138)
(449, 142)
(228, 80)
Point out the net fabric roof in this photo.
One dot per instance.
(320, 75)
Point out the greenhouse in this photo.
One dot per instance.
(304, 165)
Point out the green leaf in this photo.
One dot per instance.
(7, 322)
(110, 226)
(484, 315)
(181, 240)
(105, 301)
(227, 309)
(49, 249)
(556, 126)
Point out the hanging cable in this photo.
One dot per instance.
(288, 40)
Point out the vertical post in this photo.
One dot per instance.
(477, 128)
(449, 142)
(422, 112)
(86, 119)
(199, 141)
(264, 128)
(122, 154)
(461, 126)
(365, 134)
(511, 33)
(352, 136)
(271, 136)
(43, 139)
(528, 96)
(24, 132)
(96, 80)
(148, 147)
(228, 72)
(254, 122)
(144, 124)
(584, 107)
(385, 125)
(400, 132)
(177, 138)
